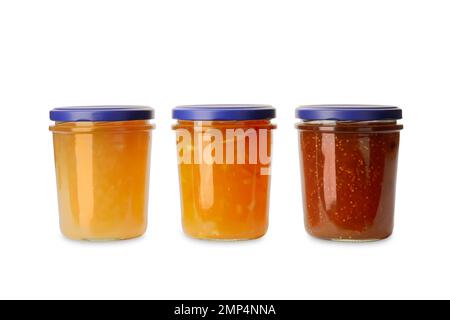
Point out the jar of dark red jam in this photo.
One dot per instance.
(348, 157)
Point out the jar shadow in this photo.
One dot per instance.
(111, 242)
(346, 243)
(220, 242)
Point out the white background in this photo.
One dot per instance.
(165, 53)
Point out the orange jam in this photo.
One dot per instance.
(349, 171)
(102, 172)
(224, 172)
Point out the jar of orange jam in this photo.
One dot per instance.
(102, 157)
(348, 156)
(224, 157)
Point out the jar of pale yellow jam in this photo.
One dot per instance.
(102, 158)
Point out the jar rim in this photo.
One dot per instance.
(336, 126)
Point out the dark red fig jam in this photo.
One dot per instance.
(349, 171)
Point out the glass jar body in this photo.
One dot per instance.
(102, 171)
(224, 172)
(349, 171)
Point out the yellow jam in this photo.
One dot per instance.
(102, 171)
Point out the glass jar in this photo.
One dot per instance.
(102, 157)
(348, 156)
(224, 157)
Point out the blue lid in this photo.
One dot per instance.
(226, 112)
(348, 112)
(102, 113)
